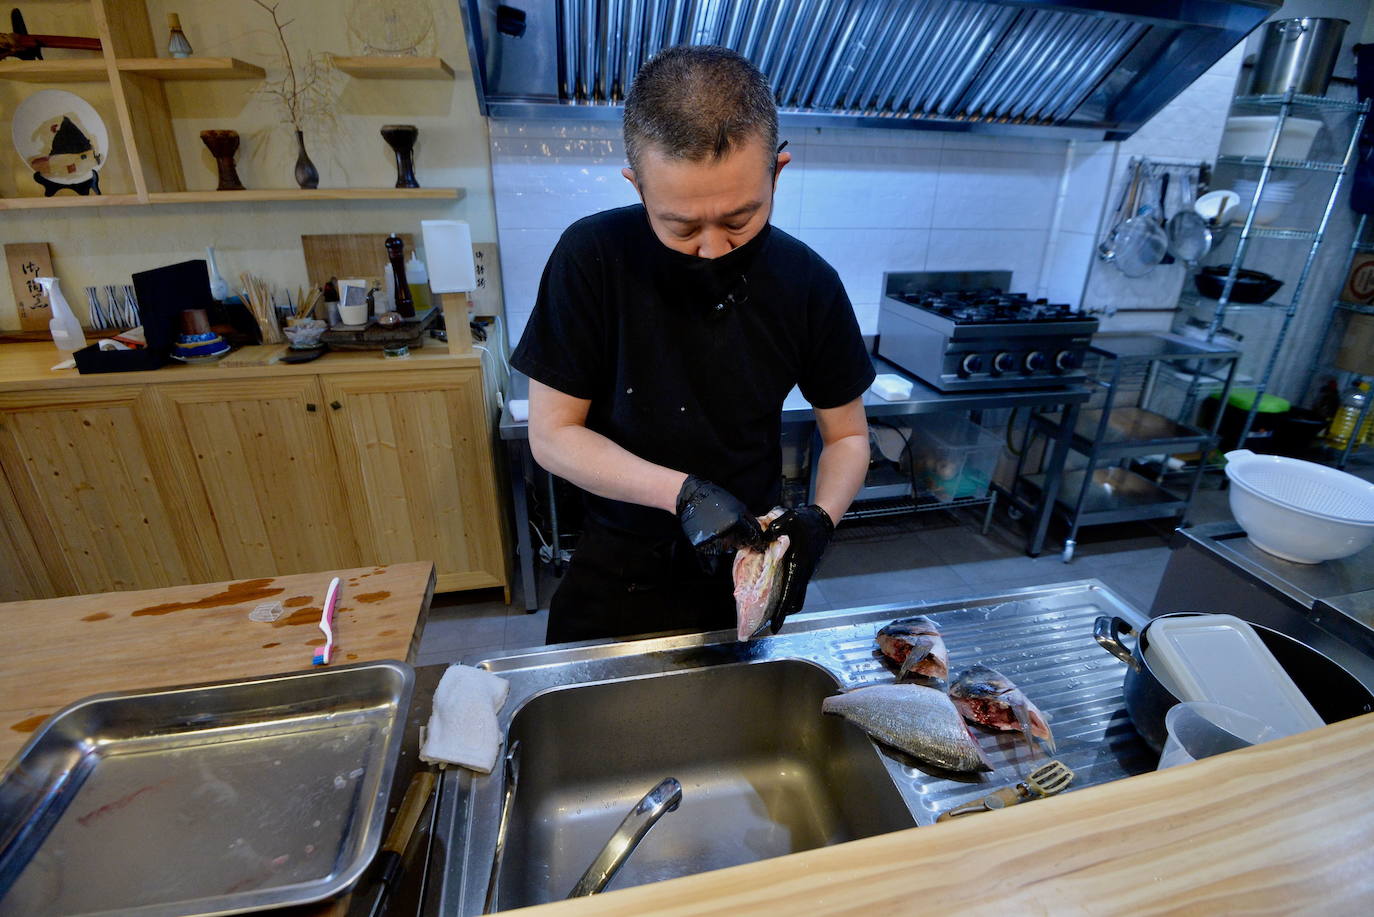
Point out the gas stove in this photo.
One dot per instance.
(961, 331)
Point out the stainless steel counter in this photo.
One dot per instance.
(1040, 636)
(1329, 606)
(923, 400)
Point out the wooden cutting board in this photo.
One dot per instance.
(348, 255)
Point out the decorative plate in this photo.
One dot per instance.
(60, 136)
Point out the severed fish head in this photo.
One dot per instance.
(916, 646)
(989, 698)
(758, 576)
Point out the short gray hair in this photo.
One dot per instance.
(696, 102)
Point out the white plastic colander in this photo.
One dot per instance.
(1300, 511)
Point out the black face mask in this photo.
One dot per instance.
(712, 285)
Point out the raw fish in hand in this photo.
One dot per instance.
(758, 575)
(915, 644)
(989, 698)
(915, 719)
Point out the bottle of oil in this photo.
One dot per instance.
(1343, 424)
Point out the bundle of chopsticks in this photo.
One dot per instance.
(306, 302)
(258, 294)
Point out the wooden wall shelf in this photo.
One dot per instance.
(142, 128)
(90, 70)
(394, 68)
(261, 195)
(306, 194)
(68, 200)
(192, 68)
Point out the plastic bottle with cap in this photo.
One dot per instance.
(417, 278)
(1343, 424)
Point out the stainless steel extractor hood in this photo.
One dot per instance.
(1091, 69)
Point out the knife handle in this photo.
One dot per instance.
(997, 799)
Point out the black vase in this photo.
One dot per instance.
(401, 139)
(307, 176)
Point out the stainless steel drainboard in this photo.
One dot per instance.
(1040, 636)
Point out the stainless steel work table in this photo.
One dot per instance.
(923, 400)
(1214, 567)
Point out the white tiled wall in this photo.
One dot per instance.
(873, 200)
(867, 200)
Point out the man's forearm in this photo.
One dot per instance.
(594, 463)
(840, 473)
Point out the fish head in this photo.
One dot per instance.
(980, 681)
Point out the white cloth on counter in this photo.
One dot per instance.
(519, 410)
(891, 387)
(462, 723)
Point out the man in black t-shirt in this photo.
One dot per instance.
(664, 339)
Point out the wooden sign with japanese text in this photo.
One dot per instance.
(26, 262)
(486, 298)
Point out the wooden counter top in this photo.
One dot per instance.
(1281, 828)
(60, 650)
(25, 367)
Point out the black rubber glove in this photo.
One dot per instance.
(808, 529)
(713, 520)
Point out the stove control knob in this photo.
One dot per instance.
(1067, 360)
(972, 363)
(1036, 361)
(1003, 363)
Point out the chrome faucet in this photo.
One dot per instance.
(659, 801)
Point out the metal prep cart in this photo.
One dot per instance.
(1112, 433)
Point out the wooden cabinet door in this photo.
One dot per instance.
(415, 455)
(87, 473)
(22, 574)
(259, 458)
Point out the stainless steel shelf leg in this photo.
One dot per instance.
(1054, 474)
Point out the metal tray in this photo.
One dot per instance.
(207, 799)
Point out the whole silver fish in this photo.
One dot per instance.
(915, 719)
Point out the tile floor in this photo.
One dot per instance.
(931, 556)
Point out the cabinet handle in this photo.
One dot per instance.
(335, 405)
(310, 408)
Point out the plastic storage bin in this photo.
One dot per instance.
(952, 458)
(1220, 659)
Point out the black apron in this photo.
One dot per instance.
(620, 585)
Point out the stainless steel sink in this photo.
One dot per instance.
(763, 772)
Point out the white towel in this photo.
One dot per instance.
(519, 410)
(462, 723)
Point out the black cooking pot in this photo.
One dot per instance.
(1250, 287)
(1332, 691)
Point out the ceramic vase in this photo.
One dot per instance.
(223, 145)
(307, 176)
(401, 139)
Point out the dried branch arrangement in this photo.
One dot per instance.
(305, 91)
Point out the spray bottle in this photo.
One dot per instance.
(66, 330)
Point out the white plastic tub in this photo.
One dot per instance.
(1300, 511)
(1249, 136)
(1219, 659)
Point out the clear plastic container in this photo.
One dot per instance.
(952, 458)
(1193, 732)
(1220, 659)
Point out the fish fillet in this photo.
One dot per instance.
(756, 581)
(916, 646)
(989, 698)
(915, 719)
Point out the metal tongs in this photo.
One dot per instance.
(1046, 780)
